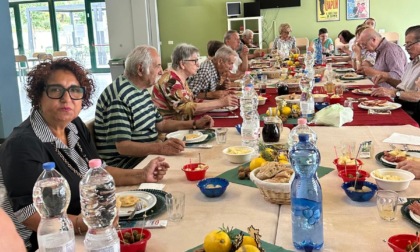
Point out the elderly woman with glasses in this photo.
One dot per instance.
(172, 95)
(284, 39)
(53, 132)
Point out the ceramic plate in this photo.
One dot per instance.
(407, 212)
(339, 63)
(147, 200)
(414, 216)
(362, 91)
(355, 77)
(225, 109)
(386, 106)
(288, 99)
(159, 207)
(379, 158)
(181, 133)
(411, 153)
(344, 70)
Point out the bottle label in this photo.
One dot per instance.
(112, 248)
(67, 247)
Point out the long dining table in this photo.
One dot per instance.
(348, 225)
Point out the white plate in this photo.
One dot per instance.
(147, 199)
(225, 109)
(181, 133)
(356, 77)
(414, 216)
(387, 106)
(362, 91)
(409, 153)
(287, 98)
(344, 70)
(339, 63)
(200, 139)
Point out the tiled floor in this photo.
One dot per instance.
(101, 81)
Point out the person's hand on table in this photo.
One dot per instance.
(221, 93)
(156, 169)
(204, 122)
(172, 146)
(383, 92)
(411, 166)
(379, 78)
(230, 100)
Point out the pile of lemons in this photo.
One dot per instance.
(266, 155)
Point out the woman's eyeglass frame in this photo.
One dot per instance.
(74, 91)
(192, 60)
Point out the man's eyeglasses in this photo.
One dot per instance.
(408, 45)
(193, 60)
(56, 91)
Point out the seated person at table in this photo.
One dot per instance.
(53, 132)
(212, 47)
(361, 57)
(345, 36)
(248, 40)
(212, 77)
(127, 122)
(390, 60)
(172, 96)
(285, 39)
(405, 88)
(232, 40)
(371, 22)
(412, 166)
(323, 41)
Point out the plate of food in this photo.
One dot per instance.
(129, 199)
(344, 70)
(414, 211)
(189, 137)
(362, 91)
(339, 63)
(379, 105)
(260, 65)
(392, 158)
(410, 211)
(290, 98)
(352, 76)
(225, 109)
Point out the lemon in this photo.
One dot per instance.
(286, 110)
(217, 241)
(271, 111)
(248, 240)
(285, 162)
(256, 162)
(282, 156)
(247, 248)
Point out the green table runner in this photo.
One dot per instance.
(232, 175)
(268, 247)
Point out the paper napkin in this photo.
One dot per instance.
(155, 186)
(398, 138)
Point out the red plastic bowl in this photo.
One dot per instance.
(350, 175)
(193, 174)
(399, 242)
(139, 246)
(342, 167)
(336, 100)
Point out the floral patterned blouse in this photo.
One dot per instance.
(173, 99)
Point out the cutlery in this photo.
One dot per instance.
(200, 146)
(231, 116)
(138, 207)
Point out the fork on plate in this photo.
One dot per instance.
(138, 207)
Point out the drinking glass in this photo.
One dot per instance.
(221, 135)
(175, 204)
(348, 148)
(386, 201)
(263, 84)
(339, 90)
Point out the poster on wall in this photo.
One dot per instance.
(357, 9)
(327, 10)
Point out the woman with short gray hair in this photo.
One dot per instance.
(171, 94)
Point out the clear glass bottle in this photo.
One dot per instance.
(306, 196)
(98, 203)
(272, 129)
(301, 128)
(51, 197)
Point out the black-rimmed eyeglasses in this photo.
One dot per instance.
(408, 45)
(192, 60)
(56, 91)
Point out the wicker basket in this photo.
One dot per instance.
(272, 74)
(276, 193)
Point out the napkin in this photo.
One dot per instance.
(398, 138)
(155, 186)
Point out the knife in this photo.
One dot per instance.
(200, 146)
(231, 116)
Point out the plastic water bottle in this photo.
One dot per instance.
(301, 128)
(306, 196)
(98, 202)
(51, 197)
(318, 52)
(250, 118)
(247, 79)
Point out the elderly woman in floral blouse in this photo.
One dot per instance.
(173, 97)
(285, 39)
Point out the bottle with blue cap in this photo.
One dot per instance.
(99, 210)
(306, 196)
(51, 197)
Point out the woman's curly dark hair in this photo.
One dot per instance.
(37, 79)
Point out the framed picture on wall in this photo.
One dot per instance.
(357, 9)
(327, 10)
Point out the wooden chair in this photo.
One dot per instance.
(44, 57)
(59, 54)
(90, 126)
(21, 66)
(270, 45)
(302, 44)
(392, 37)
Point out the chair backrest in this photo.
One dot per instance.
(338, 44)
(59, 53)
(90, 126)
(271, 45)
(302, 43)
(21, 58)
(392, 36)
(44, 56)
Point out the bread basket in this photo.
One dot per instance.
(272, 74)
(276, 193)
